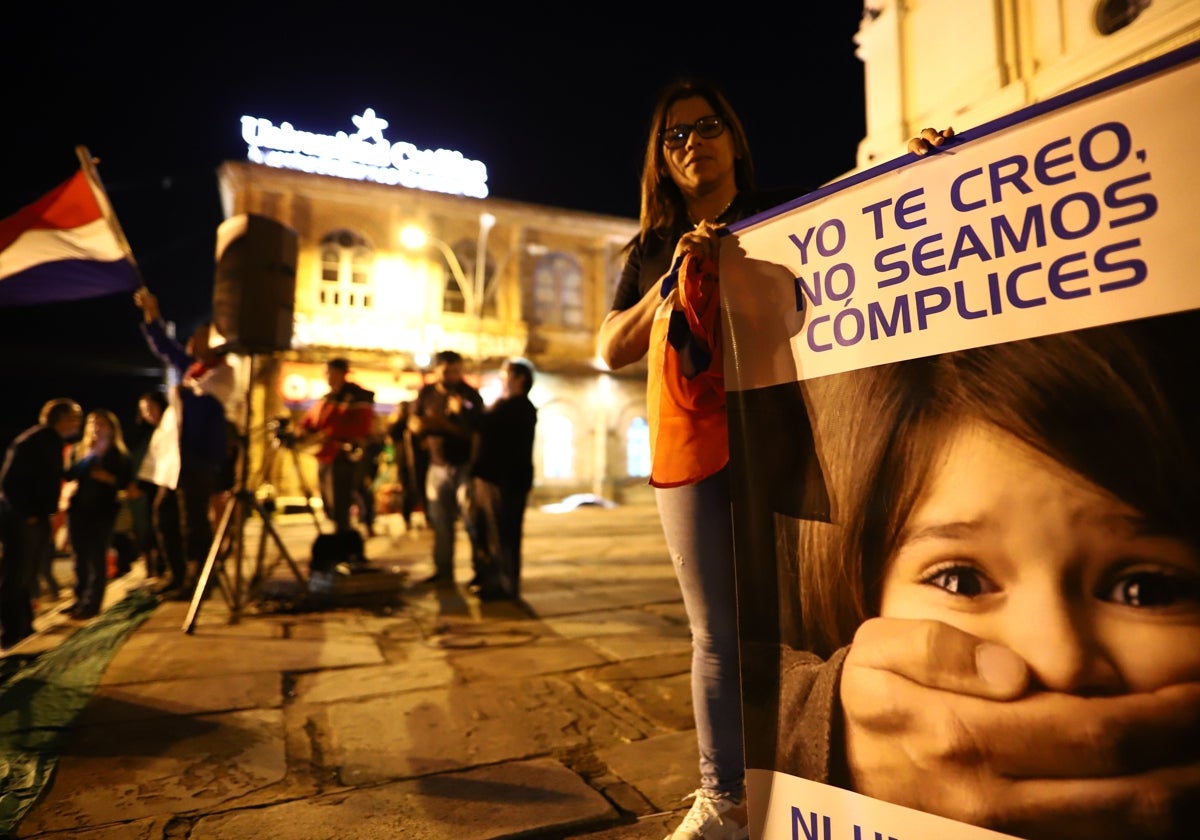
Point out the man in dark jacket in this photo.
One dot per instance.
(445, 420)
(30, 485)
(502, 479)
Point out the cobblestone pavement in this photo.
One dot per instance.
(396, 710)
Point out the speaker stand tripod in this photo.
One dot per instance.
(229, 538)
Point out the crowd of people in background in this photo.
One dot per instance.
(78, 484)
(444, 454)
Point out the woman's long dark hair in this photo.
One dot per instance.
(662, 205)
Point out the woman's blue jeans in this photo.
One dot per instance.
(698, 524)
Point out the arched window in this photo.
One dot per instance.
(347, 269)
(558, 446)
(1114, 15)
(637, 448)
(558, 291)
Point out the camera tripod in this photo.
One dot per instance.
(285, 440)
(229, 538)
(282, 439)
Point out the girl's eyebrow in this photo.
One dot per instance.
(952, 530)
(1135, 524)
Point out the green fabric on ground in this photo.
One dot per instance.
(41, 698)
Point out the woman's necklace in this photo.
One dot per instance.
(718, 214)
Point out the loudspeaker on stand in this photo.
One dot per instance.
(254, 288)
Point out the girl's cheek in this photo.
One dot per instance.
(1152, 658)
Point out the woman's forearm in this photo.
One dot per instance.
(625, 334)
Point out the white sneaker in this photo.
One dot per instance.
(713, 817)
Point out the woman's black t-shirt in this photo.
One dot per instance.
(649, 260)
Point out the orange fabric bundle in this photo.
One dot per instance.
(689, 437)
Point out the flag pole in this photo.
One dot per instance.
(88, 164)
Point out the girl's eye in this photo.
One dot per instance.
(961, 580)
(1154, 589)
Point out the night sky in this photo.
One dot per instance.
(556, 104)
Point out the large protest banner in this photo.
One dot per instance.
(963, 407)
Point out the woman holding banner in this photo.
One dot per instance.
(698, 175)
(1029, 511)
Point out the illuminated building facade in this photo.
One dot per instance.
(487, 277)
(963, 63)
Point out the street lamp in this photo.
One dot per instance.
(415, 238)
(475, 289)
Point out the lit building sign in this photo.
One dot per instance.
(364, 156)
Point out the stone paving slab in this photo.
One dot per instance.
(331, 623)
(612, 623)
(504, 800)
(632, 593)
(653, 827)
(664, 769)
(667, 700)
(148, 829)
(439, 716)
(656, 688)
(242, 648)
(621, 634)
(579, 599)
(525, 659)
(277, 821)
(160, 766)
(623, 648)
(586, 569)
(452, 728)
(112, 704)
(372, 681)
(674, 611)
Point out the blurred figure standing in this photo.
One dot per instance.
(343, 421)
(191, 445)
(411, 463)
(501, 480)
(30, 484)
(101, 468)
(445, 421)
(372, 455)
(141, 493)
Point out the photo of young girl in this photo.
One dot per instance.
(1000, 622)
